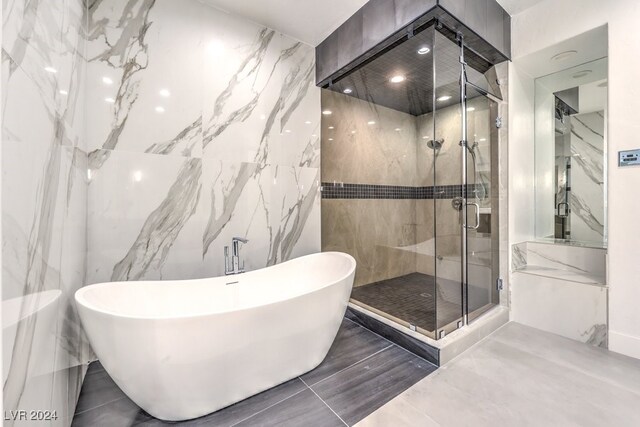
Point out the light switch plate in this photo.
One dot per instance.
(629, 158)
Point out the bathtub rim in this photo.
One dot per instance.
(81, 301)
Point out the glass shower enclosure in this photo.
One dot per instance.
(409, 155)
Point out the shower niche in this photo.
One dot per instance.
(410, 180)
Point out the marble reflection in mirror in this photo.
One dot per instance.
(570, 158)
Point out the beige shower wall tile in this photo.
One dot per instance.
(355, 151)
(374, 232)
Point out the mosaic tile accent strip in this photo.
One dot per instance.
(340, 190)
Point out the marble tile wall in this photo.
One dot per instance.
(571, 309)
(138, 138)
(201, 127)
(587, 177)
(44, 205)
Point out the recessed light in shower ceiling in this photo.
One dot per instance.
(444, 98)
(563, 55)
(347, 91)
(327, 112)
(423, 50)
(581, 74)
(397, 78)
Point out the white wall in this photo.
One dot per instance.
(521, 155)
(1, 397)
(545, 25)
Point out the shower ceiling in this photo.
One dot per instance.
(414, 94)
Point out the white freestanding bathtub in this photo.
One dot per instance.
(183, 349)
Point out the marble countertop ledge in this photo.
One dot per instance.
(568, 275)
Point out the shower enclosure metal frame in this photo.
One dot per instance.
(467, 312)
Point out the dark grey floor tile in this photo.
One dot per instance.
(242, 410)
(420, 348)
(303, 409)
(97, 389)
(361, 389)
(120, 413)
(352, 344)
(95, 367)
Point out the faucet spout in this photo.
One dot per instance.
(237, 264)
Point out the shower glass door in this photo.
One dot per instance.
(447, 186)
(482, 202)
(465, 178)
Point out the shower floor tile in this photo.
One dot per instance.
(411, 298)
(361, 372)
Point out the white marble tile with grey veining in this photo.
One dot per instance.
(44, 204)
(567, 307)
(142, 221)
(144, 78)
(587, 198)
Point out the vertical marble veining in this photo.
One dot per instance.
(587, 177)
(44, 194)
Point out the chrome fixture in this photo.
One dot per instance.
(435, 144)
(457, 203)
(236, 266)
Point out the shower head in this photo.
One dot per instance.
(435, 144)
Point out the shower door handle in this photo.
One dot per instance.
(474, 227)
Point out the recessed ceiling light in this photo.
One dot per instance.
(471, 109)
(398, 129)
(137, 176)
(347, 90)
(425, 137)
(107, 80)
(423, 50)
(371, 122)
(482, 139)
(50, 70)
(581, 74)
(308, 122)
(330, 139)
(165, 93)
(262, 117)
(353, 131)
(159, 109)
(331, 128)
(397, 79)
(444, 98)
(63, 92)
(563, 55)
(327, 112)
(109, 100)
(287, 130)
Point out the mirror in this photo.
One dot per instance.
(570, 155)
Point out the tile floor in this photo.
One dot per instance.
(411, 298)
(361, 373)
(521, 376)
